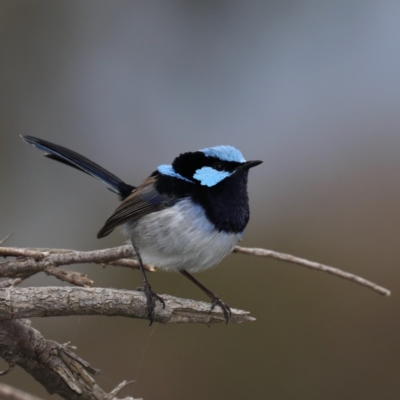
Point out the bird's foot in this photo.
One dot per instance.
(151, 298)
(216, 301)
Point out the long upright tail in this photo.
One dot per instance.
(69, 157)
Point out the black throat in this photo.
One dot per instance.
(226, 204)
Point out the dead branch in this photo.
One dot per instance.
(32, 261)
(54, 365)
(32, 302)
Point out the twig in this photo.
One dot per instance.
(62, 301)
(11, 393)
(6, 238)
(75, 278)
(313, 265)
(121, 386)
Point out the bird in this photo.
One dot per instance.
(186, 216)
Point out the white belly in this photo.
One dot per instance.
(180, 237)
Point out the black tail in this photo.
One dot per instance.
(69, 157)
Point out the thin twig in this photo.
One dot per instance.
(6, 238)
(10, 393)
(121, 386)
(130, 263)
(75, 278)
(313, 265)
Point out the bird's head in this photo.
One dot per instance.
(209, 167)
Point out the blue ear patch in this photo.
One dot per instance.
(169, 170)
(208, 176)
(224, 153)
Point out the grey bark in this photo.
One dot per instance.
(16, 302)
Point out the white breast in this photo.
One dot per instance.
(180, 237)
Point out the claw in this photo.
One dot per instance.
(216, 301)
(151, 298)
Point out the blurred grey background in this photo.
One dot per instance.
(310, 87)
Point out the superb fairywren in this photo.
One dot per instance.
(184, 217)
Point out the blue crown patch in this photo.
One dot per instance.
(224, 153)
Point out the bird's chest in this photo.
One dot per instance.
(181, 237)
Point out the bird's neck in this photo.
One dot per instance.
(226, 204)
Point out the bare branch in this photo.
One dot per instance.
(129, 263)
(63, 301)
(31, 261)
(313, 265)
(55, 366)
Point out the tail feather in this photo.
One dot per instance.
(75, 160)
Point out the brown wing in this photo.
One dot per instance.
(144, 200)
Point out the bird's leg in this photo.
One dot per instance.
(151, 297)
(215, 300)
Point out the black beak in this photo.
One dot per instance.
(249, 164)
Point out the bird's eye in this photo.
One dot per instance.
(219, 166)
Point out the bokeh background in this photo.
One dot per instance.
(310, 87)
